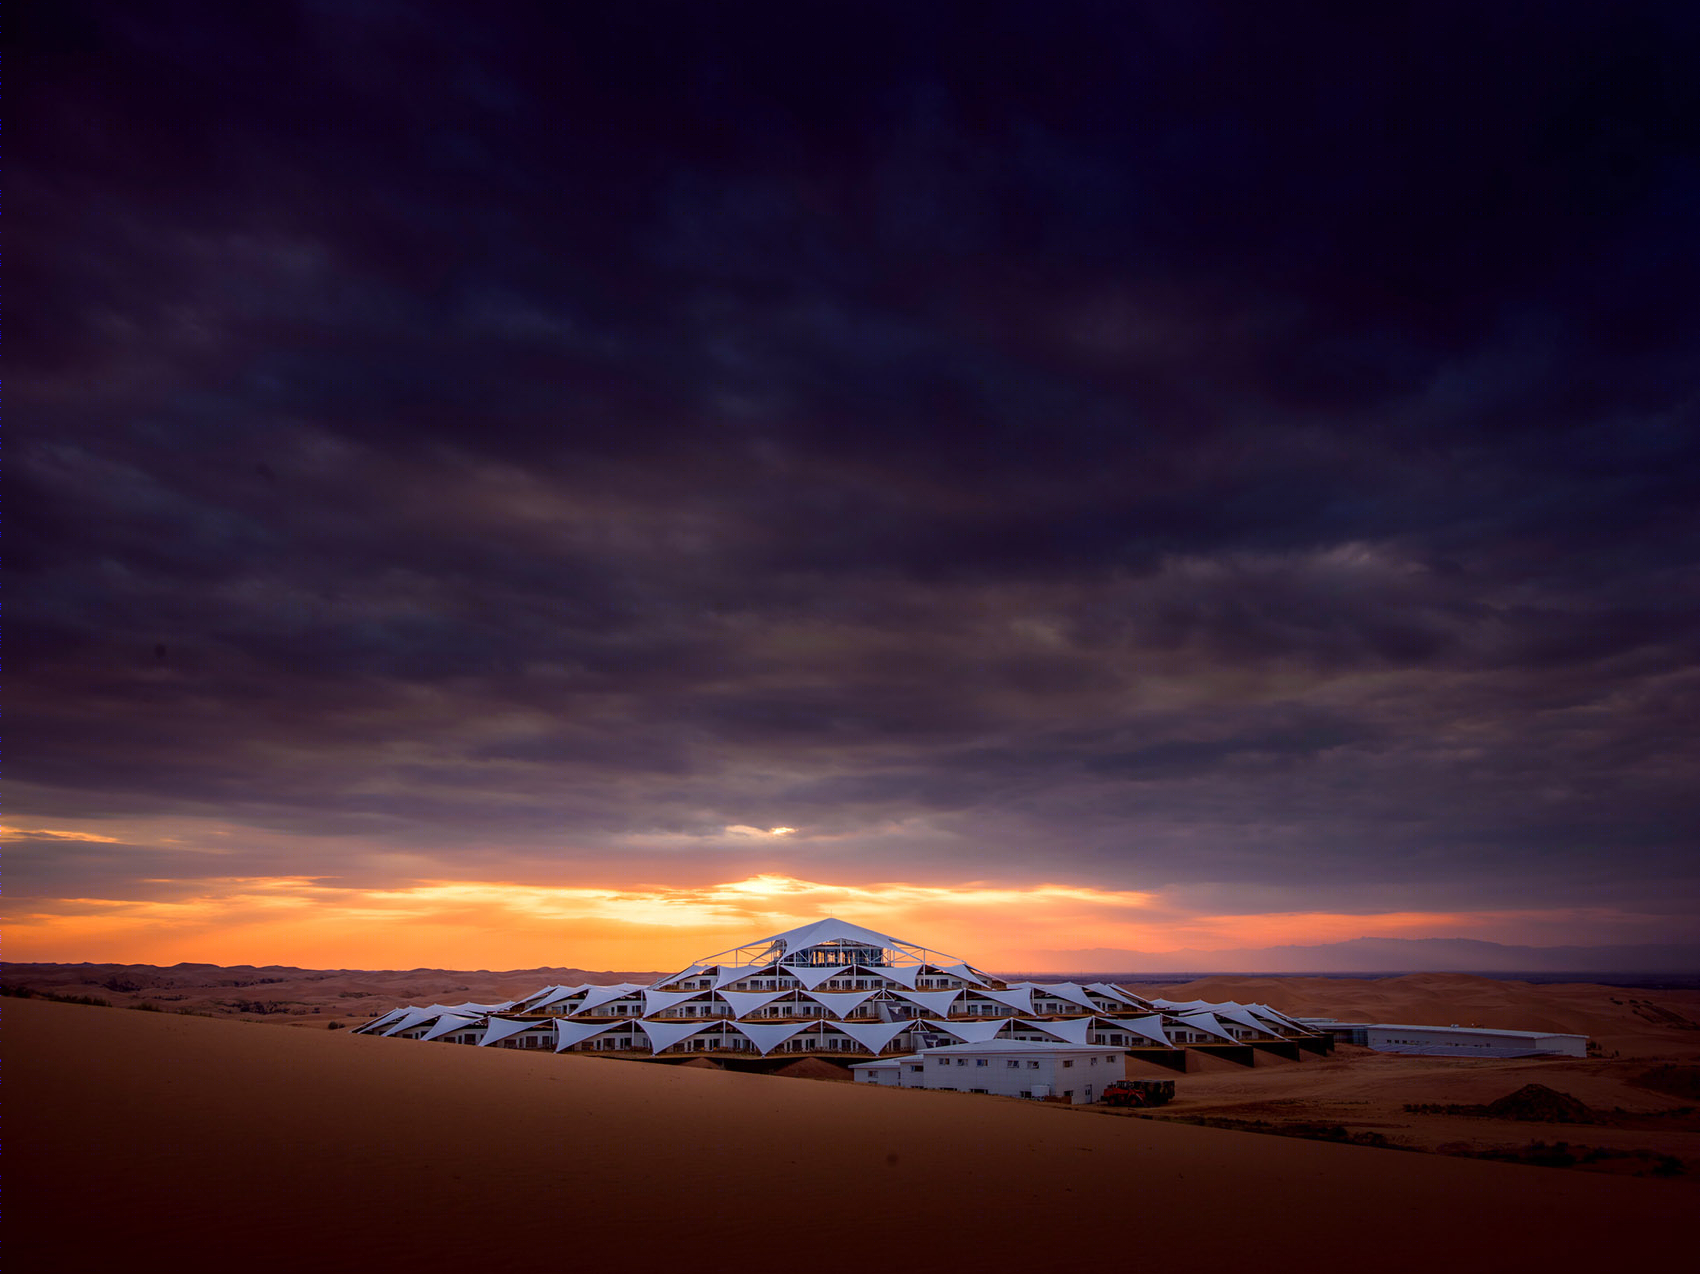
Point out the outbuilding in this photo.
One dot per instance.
(1471, 1041)
(1075, 1073)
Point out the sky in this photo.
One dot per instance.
(591, 485)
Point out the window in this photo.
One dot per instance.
(982, 1061)
(1026, 1092)
(1067, 1062)
(962, 1061)
(1032, 1066)
(1012, 1064)
(915, 1070)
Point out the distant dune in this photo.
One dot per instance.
(153, 1140)
(301, 997)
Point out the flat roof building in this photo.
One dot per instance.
(1076, 1073)
(1451, 1041)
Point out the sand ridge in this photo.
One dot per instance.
(141, 1136)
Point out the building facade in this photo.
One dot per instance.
(837, 989)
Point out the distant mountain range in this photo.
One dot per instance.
(1389, 955)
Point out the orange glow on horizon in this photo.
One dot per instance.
(310, 922)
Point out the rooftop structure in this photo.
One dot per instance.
(840, 989)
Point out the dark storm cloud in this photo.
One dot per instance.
(1134, 441)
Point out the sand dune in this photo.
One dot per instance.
(147, 1139)
(285, 995)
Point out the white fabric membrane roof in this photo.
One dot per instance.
(1086, 1007)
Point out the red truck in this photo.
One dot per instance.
(1139, 1092)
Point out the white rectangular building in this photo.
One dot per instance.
(1076, 1073)
(1471, 1041)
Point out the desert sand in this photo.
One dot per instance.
(161, 1140)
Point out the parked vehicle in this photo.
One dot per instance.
(1139, 1092)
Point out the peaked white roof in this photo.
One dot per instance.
(831, 929)
(447, 1023)
(932, 1001)
(902, 974)
(838, 1003)
(666, 1034)
(969, 1032)
(569, 1033)
(873, 1036)
(768, 1038)
(1208, 1023)
(1076, 1030)
(500, 1028)
(597, 996)
(1150, 1027)
(1019, 998)
(812, 976)
(661, 1001)
(745, 1003)
(733, 973)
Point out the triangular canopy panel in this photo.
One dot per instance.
(963, 971)
(1150, 1027)
(661, 1001)
(969, 1032)
(500, 1028)
(1075, 1030)
(666, 1034)
(597, 996)
(812, 976)
(1073, 992)
(902, 974)
(839, 1003)
(874, 1036)
(447, 1025)
(768, 1038)
(1207, 1023)
(745, 1003)
(569, 1033)
(933, 1001)
(1020, 998)
(729, 975)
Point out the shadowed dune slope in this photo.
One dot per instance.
(142, 1138)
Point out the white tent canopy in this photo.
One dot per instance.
(1019, 998)
(597, 996)
(448, 1024)
(1150, 1028)
(964, 972)
(768, 1038)
(661, 1001)
(969, 1032)
(500, 1028)
(812, 976)
(932, 1001)
(1074, 1030)
(841, 1003)
(569, 1033)
(874, 1036)
(745, 1003)
(902, 974)
(1207, 1023)
(664, 1035)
